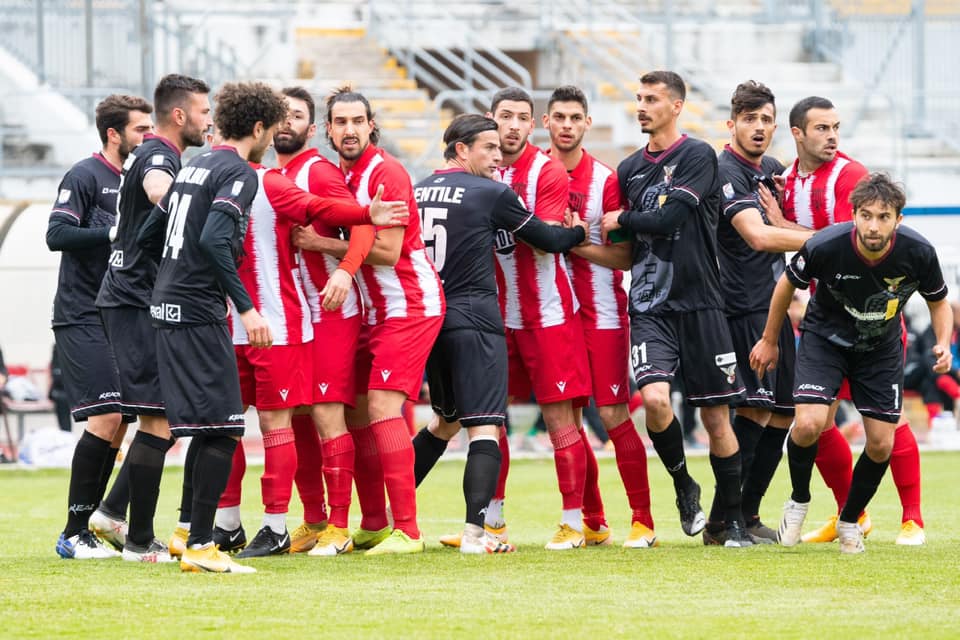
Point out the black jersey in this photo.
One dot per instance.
(79, 227)
(673, 204)
(857, 302)
(747, 276)
(130, 274)
(189, 289)
(461, 216)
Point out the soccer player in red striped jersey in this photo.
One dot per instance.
(598, 285)
(325, 448)
(547, 355)
(816, 194)
(404, 304)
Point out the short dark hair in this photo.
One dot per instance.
(172, 91)
(347, 94)
(878, 187)
(568, 93)
(672, 80)
(241, 105)
(750, 96)
(465, 128)
(113, 112)
(798, 115)
(299, 93)
(514, 94)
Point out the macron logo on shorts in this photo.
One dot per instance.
(562, 385)
(385, 374)
(284, 393)
(323, 387)
(615, 388)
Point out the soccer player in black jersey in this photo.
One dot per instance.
(183, 116)
(676, 303)
(750, 247)
(467, 367)
(197, 231)
(866, 270)
(81, 227)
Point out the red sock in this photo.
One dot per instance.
(368, 476)
(396, 455)
(231, 495)
(632, 463)
(504, 443)
(571, 463)
(933, 410)
(592, 501)
(338, 458)
(835, 463)
(905, 468)
(309, 475)
(949, 386)
(279, 465)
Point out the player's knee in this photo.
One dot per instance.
(806, 430)
(657, 403)
(879, 443)
(613, 415)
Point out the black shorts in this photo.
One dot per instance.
(198, 375)
(467, 374)
(875, 376)
(697, 344)
(773, 392)
(134, 344)
(89, 371)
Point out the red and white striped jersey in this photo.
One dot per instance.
(821, 198)
(594, 190)
(270, 269)
(535, 290)
(317, 175)
(411, 288)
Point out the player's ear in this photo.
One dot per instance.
(311, 131)
(730, 124)
(589, 121)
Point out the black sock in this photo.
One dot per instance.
(748, 435)
(106, 472)
(116, 502)
(186, 492)
(427, 448)
(669, 446)
(757, 478)
(88, 458)
(800, 460)
(146, 456)
(480, 478)
(210, 474)
(726, 471)
(867, 475)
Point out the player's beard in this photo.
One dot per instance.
(194, 137)
(354, 153)
(291, 143)
(876, 244)
(125, 148)
(256, 153)
(569, 146)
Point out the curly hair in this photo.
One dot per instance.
(113, 112)
(241, 105)
(878, 188)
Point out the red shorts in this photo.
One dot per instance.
(334, 351)
(551, 363)
(395, 354)
(608, 351)
(844, 392)
(275, 378)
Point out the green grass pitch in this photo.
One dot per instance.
(680, 590)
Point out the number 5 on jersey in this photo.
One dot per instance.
(177, 209)
(434, 233)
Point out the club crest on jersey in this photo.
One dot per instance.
(157, 160)
(893, 283)
(385, 374)
(323, 387)
(668, 173)
(562, 385)
(284, 393)
(801, 263)
(727, 363)
(237, 188)
(64, 196)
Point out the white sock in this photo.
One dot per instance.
(494, 514)
(184, 525)
(573, 518)
(201, 546)
(228, 518)
(276, 521)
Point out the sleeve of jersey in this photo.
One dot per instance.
(932, 286)
(693, 179)
(164, 160)
(362, 238)
(736, 195)
(151, 236)
(847, 181)
(553, 196)
(396, 185)
(74, 200)
(612, 196)
(798, 270)
(509, 213)
(237, 192)
(216, 244)
(327, 180)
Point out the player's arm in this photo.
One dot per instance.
(941, 320)
(771, 205)
(157, 182)
(764, 354)
(763, 237)
(847, 181)
(510, 214)
(151, 237)
(75, 199)
(340, 281)
(612, 255)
